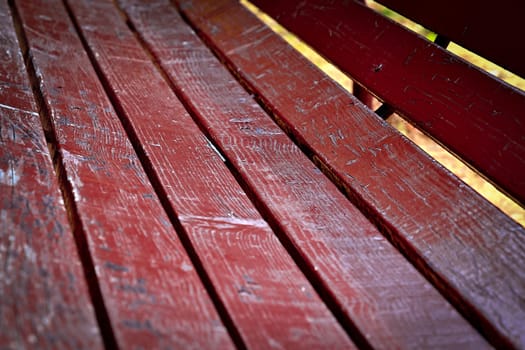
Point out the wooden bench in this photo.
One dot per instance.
(174, 175)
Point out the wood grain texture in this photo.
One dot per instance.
(387, 302)
(270, 301)
(152, 293)
(467, 247)
(44, 299)
(488, 28)
(475, 116)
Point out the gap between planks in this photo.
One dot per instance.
(153, 178)
(225, 152)
(88, 267)
(411, 253)
(321, 288)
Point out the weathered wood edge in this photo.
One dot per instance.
(45, 301)
(248, 269)
(108, 190)
(245, 136)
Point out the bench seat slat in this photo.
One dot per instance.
(44, 298)
(266, 295)
(145, 276)
(473, 115)
(467, 247)
(389, 303)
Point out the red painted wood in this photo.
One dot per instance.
(491, 29)
(387, 302)
(270, 301)
(363, 95)
(360, 92)
(44, 299)
(151, 291)
(467, 247)
(474, 115)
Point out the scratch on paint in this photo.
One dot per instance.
(11, 108)
(214, 148)
(225, 222)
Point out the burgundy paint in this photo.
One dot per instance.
(469, 249)
(491, 29)
(388, 303)
(269, 300)
(474, 115)
(44, 299)
(152, 293)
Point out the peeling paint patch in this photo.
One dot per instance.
(73, 177)
(9, 177)
(186, 267)
(29, 253)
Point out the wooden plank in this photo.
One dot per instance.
(488, 28)
(269, 300)
(470, 250)
(44, 298)
(475, 116)
(379, 297)
(151, 291)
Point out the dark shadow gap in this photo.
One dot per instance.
(79, 234)
(157, 184)
(319, 286)
(462, 305)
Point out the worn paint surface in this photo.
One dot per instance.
(151, 292)
(44, 299)
(373, 286)
(471, 251)
(269, 300)
(127, 219)
(476, 116)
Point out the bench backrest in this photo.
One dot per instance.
(474, 115)
(490, 29)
